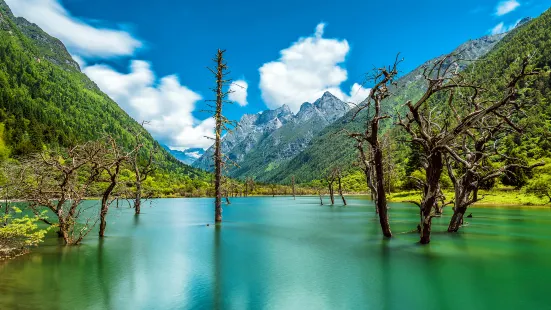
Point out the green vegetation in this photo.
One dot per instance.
(47, 103)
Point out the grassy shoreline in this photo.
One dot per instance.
(492, 198)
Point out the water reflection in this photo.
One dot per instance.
(277, 253)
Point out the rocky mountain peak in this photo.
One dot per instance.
(523, 21)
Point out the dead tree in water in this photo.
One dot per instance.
(338, 176)
(111, 165)
(60, 181)
(142, 165)
(383, 79)
(438, 118)
(365, 163)
(330, 179)
(220, 73)
(471, 161)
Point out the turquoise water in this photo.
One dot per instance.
(280, 253)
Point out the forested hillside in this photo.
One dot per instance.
(46, 102)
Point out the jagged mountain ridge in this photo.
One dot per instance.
(267, 138)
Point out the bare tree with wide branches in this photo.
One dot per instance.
(382, 78)
(60, 181)
(473, 159)
(451, 106)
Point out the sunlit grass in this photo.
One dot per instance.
(502, 197)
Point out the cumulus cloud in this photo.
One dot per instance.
(238, 92)
(357, 94)
(166, 104)
(80, 37)
(307, 69)
(506, 7)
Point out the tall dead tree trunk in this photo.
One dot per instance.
(383, 78)
(330, 179)
(338, 175)
(220, 73)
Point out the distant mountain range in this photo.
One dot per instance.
(187, 156)
(261, 142)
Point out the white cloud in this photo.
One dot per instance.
(506, 7)
(357, 94)
(501, 27)
(238, 92)
(80, 37)
(166, 104)
(307, 69)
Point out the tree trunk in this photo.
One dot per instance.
(340, 192)
(380, 187)
(217, 143)
(105, 200)
(331, 194)
(138, 200)
(430, 198)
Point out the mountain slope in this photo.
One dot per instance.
(248, 132)
(328, 148)
(187, 156)
(45, 101)
(264, 141)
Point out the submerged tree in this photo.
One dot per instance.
(221, 75)
(365, 163)
(337, 172)
(330, 180)
(438, 118)
(112, 162)
(60, 181)
(383, 79)
(142, 165)
(474, 159)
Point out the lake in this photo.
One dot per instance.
(280, 253)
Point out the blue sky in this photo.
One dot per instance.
(150, 56)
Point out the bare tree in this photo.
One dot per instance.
(143, 167)
(434, 130)
(330, 180)
(338, 176)
(111, 165)
(365, 163)
(60, 182)
(383, 79)
(221, 75)
(473, 159)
